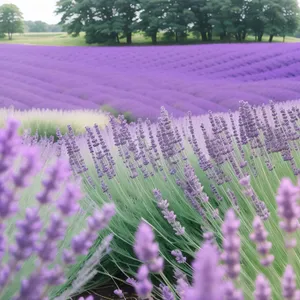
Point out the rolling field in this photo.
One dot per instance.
(140, 80)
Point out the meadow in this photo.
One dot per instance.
(192, 194)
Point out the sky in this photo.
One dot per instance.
(36, 10)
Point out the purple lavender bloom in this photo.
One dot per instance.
(245, 181)
(47, 250)
(288, 209)
(67, 204)
(231, 292)
(179, 256)
(143, 286)
(119, 293)
(166, 292)
(289, 283)
(207, 276)
(168, 215)
(8, 201)
(146, 249)
(58, 173)
(87, 298)
(263, 290)
(100, 219)
(55, 276)
(31, 166)
(27, 237)
(231, 245)
(259, 237)
(9, 142)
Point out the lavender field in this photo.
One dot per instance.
(140, 80)
(193, 207)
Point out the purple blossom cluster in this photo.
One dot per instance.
(35, 236)
(140, 80)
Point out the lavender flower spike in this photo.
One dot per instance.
(288, 209)
(168, 215)
(166, 292)
(259, 237)
(146, 249)
(288, 284)
(263, 290)
(143, 285)
(207, 277)
(178, 256)
(119, 293)
(231, 245)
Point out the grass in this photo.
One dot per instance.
(63, 39)
(45, 122)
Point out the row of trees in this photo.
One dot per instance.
(105, 20)
(40, 26)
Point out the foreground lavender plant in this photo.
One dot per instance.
(31, 239)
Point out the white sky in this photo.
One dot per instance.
(35, 10)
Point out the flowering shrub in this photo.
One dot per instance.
(183, 177)
(38, 236)
(139, 80)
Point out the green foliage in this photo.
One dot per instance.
(11, 20)
(39, 26)
(127, 115)
(111, 20)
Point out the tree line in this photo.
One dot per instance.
(110, 20)
(40, 26)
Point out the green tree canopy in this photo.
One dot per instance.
(11, 20)
(108, 20)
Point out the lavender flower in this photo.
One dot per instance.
(119, 293)
(289, 291)
(231, 245)
(259, 237)
(59, 172)
(9, 144)
(87, 298)
(143, 285)
(146, 249)
(179, 256)
(31, 166)
(166, 292)
(288, 209)
(207, 277)
(262, 288)
(82, 242)
(168, 215)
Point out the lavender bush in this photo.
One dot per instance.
(210, 185)
(39, 240)
(214, 178)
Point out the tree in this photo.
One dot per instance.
(97, 18)
(11, 20)
(126, 17)
(36, 26)
(291, 17)
(177, 18)
(256, 18)
(202, 16)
